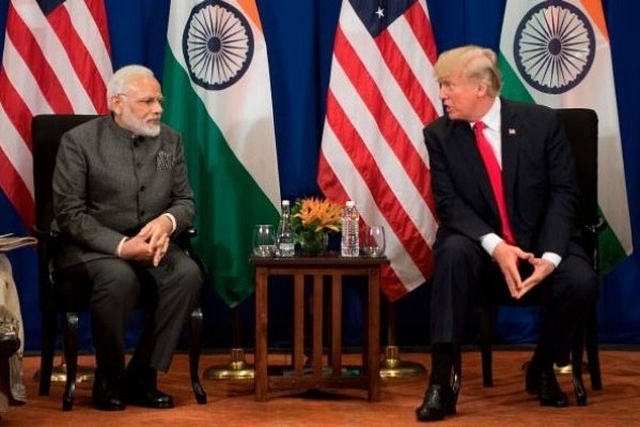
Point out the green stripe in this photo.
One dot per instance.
(228, 200)
(512, 87)
(610, 253)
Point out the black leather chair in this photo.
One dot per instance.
(581, 127)
(62, 297)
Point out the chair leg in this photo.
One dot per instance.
(593, 357)
(456, 380)
(195, 346)
(71, 359)
(576, 368)
(485, 346)
(46, 358)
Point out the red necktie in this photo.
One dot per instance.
(495, 176)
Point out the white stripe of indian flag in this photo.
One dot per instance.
(230, 152)
(596, 91)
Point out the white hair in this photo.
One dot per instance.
(121, 78)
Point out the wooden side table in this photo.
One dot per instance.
(336, 268)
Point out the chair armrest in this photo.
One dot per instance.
(46, 250)
(590, 239)
(598, 227)
(184, 238)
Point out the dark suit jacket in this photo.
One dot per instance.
(108, 184)
(538, 176)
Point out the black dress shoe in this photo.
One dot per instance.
(438, 402)
(106, 395)
(149, 397)
(142, 387)
(545, 384)
(550, 392)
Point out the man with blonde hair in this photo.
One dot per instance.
(503, 180)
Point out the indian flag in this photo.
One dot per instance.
(557, 53)
(216, 84)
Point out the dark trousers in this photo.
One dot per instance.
(170, 292)
(464, 271)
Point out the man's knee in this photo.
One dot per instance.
(581, 281)
(192, 276)
(186, 276)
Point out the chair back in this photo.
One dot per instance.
(46, 131)
(581, 127)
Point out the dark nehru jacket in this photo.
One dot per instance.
(109, 183)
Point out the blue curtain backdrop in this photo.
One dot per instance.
(299, 35)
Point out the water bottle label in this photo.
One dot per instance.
(287, 249)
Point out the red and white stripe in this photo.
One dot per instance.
(382, 92)
(58, 63)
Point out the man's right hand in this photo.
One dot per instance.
(137, 248)
(508, 257)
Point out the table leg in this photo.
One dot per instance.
(261, 380)
(373, 335)
(298, 324)
(336, 325)
(316, 348)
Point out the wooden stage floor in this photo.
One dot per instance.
(231, 403)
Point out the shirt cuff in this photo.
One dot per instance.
(172, 218)
(119, 248)
(552, 257)
(489, 242)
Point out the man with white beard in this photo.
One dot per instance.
(120, 192)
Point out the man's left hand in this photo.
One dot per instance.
(156, 232)
(542, 268)
(508, 257)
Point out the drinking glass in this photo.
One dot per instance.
(264, 240)
(374, 243)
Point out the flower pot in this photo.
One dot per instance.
(313, 243)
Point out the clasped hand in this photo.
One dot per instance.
(151, 243)
(509, 257)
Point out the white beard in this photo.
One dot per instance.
(140, 127)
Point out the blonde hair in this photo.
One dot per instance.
(475, 62)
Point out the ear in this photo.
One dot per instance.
(482, 89)
(116, 104)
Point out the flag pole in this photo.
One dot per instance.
(59, 373)
(237, 368)
(391, 366)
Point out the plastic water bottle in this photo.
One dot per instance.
(285, 243)
(350, 245)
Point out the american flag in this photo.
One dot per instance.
(55, 60)
(382, 91)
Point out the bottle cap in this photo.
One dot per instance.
(285, 203)
(350, 203)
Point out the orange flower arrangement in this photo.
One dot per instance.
(312, 219)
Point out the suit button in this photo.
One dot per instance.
(142, 188)
(138, 165)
